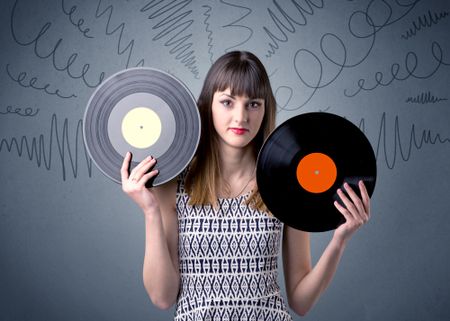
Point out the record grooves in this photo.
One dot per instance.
(303, 163)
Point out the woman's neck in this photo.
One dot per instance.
(237, 162)
(238, 169)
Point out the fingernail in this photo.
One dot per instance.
(345, 185)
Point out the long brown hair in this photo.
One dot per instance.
(244, 74)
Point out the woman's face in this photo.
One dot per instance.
(237, 119)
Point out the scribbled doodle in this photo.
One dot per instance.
(234, 24)
(24, 112)
(173, 21)
(417, 140)
(334, 50)
(424, 21)
(287, 22)
(40, 149)
(425, 98)
(37, 44)
(109, 31)
(410, 65)
(77, 23)
(283, 95)
(208, 30)
(32, 83)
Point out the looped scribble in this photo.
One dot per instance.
(24, 112)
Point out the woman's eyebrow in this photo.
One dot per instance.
(230, 96)
(247, 98)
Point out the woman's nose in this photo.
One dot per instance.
(241, 113)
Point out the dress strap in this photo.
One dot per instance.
(180, 180)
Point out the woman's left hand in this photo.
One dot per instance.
(356, 211)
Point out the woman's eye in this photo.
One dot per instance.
(254, 104)
(226, 103)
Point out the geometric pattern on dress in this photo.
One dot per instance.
(228, 260)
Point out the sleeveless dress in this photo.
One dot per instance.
(228, 262)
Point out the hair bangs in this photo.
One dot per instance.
(242, 79)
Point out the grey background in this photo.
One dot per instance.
(71, 243)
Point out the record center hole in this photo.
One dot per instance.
(317, 172)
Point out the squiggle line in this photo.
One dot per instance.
(42, 151)
(289, 24)
(109, 11)
(425, 98)
(54, 54)
(425, 21)
(208, 30)
(79, 23)
(173, 26)
(411, 63)
(32, 84)
(416, 140)
(27, 112)
(233, 23)
(341, 58)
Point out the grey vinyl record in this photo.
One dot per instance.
(144, 111)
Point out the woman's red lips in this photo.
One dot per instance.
(239, 131)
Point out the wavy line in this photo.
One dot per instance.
(341, 58)
(233, 23)
(32, 84)
(79, 23)
(41, 151)
(130, 46)
(424, 21)
(289, 24)
(27, 112)
(54, 53)
(172, 27)
(417, 139)
(410, 65)
(208, 31)
(425, 98)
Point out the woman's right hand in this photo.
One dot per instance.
(133, 183)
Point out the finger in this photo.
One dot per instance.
(125, 165)
(148, 176)
(147, 164)
(343, 211)
(348, 204)
(365, 198)
(137, 169)
(355, 198)
(144, 170)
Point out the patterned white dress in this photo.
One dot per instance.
(228, 262)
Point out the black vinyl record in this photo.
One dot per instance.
(147, 112)
(303, 163)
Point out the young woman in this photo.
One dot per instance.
(211, 245)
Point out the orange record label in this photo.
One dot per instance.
(316, 172)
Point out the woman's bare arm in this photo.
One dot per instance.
(160, 268)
